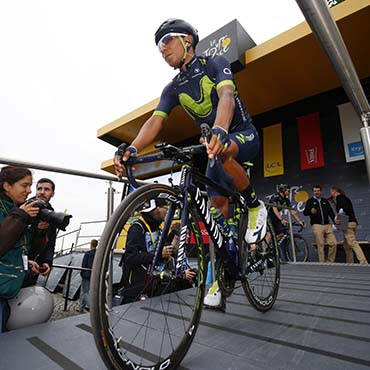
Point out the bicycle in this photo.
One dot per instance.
(300, 245)
(157, 332)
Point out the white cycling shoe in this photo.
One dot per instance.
(257, 221)
(213, 297)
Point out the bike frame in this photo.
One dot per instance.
(198, 202)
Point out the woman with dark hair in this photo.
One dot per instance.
(15, 215)
(344, 205)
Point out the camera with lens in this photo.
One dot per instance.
(59, 219)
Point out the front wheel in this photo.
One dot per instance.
(152, 324)
(260, 268)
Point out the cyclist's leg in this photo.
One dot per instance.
(280, 230)
(243, 148)
(214, 298)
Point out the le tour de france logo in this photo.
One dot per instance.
(298, 197)
(218, 46)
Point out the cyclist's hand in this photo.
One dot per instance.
(215, 147)
(123, 153)
(118, 167)
(284, 222)
(303, 224)
(219, 142)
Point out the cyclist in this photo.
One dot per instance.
(281, 199)
(206, 90)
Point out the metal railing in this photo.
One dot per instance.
(63, 251)
(290, 223)
(69, 269)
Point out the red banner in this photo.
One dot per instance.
(310, 141)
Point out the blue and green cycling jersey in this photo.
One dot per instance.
(196, 91)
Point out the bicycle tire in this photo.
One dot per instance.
(226, 284)
(301, 249)
(261, 273)
(157, 332)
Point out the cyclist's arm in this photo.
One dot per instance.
(225, 113)
(294, 213)
(219, 70)
(225, 107)
(146, 135)
(277, 213)
(148, 132)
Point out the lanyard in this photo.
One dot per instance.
(149, 229)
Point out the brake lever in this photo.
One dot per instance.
(207, 135)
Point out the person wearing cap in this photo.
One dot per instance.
(281, 199)
(141, 239)
(206, 90)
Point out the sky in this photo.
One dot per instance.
(69, 67)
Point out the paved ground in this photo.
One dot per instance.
(59, 313)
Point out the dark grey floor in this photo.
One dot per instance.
(321, 320)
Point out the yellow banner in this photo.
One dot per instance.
(273, 164)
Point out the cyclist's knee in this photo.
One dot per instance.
(220, 202)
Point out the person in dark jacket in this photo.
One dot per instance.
(344, 205)
(15, 216)
(43, 234)
(319, 210)
(139, 250)
(87, 263)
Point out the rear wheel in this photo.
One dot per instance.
(260, 268)
(301, 249)
(154, 330)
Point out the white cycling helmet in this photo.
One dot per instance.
(32, 305)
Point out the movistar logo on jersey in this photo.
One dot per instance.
(203, 106)
(244, 138)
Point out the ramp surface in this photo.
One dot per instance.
(321, 320)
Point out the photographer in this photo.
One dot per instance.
(140, 245)
(15, 216)
(43, 233)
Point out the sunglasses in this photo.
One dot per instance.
(165, 39)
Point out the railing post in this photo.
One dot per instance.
(77, 236)
(69, 276)
(291, 236)
(110, 200)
